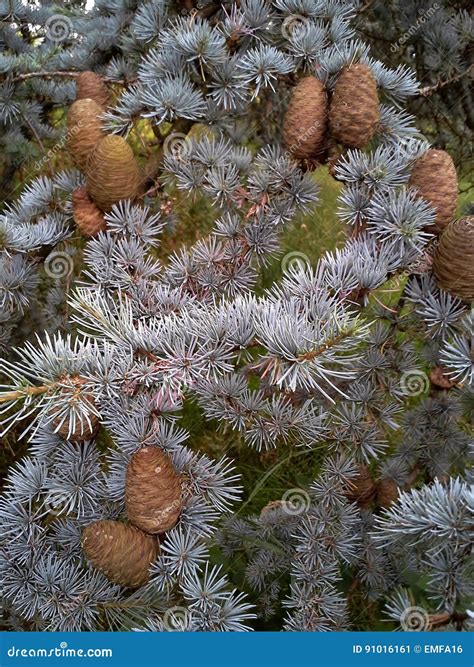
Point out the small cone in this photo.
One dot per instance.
(361, 489)
(434, 177)
(354, 112)
(89, 219)
(123, 553)
(112, 172)
(90, 85)
(78, 431)
(153, 495)
(453, 264)
(305, 127)
(387, 492)
(439, 379)
(84, 130)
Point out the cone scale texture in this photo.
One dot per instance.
(354, 111)
(153, 495)
(122, 552)
(453, 264)
(305, 126)
(112, 172)
(92, 86)
(434, 177)
(88, 218)
(84, 130)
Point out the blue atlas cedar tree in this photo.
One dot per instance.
(317, 364)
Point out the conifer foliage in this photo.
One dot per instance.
(115, 519)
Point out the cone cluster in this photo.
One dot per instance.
(453, 264)
(154, 501)
(122, 552)
(77, 431)
(88, 218)
(112, 172)
(314, 123)
(90, 85)
(434, 177)
(84, 130)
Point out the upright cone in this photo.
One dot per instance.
(84, 130)
(354, 113)
(123, 553)
(90, 85)
(112, 172)
(453, 264)
(153, 495)
(305, 127)
(434, 177)
(88, 218)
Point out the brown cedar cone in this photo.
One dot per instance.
(361, 488)
(354, 112)
(387, 492)
(87, 216)
(153, 496)
(90, 85)
(439, 379)
(123, 553)
(112, 172)
(304, 130)
(453, 264)
(84, 130)
(434, 176)
(78, 431)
